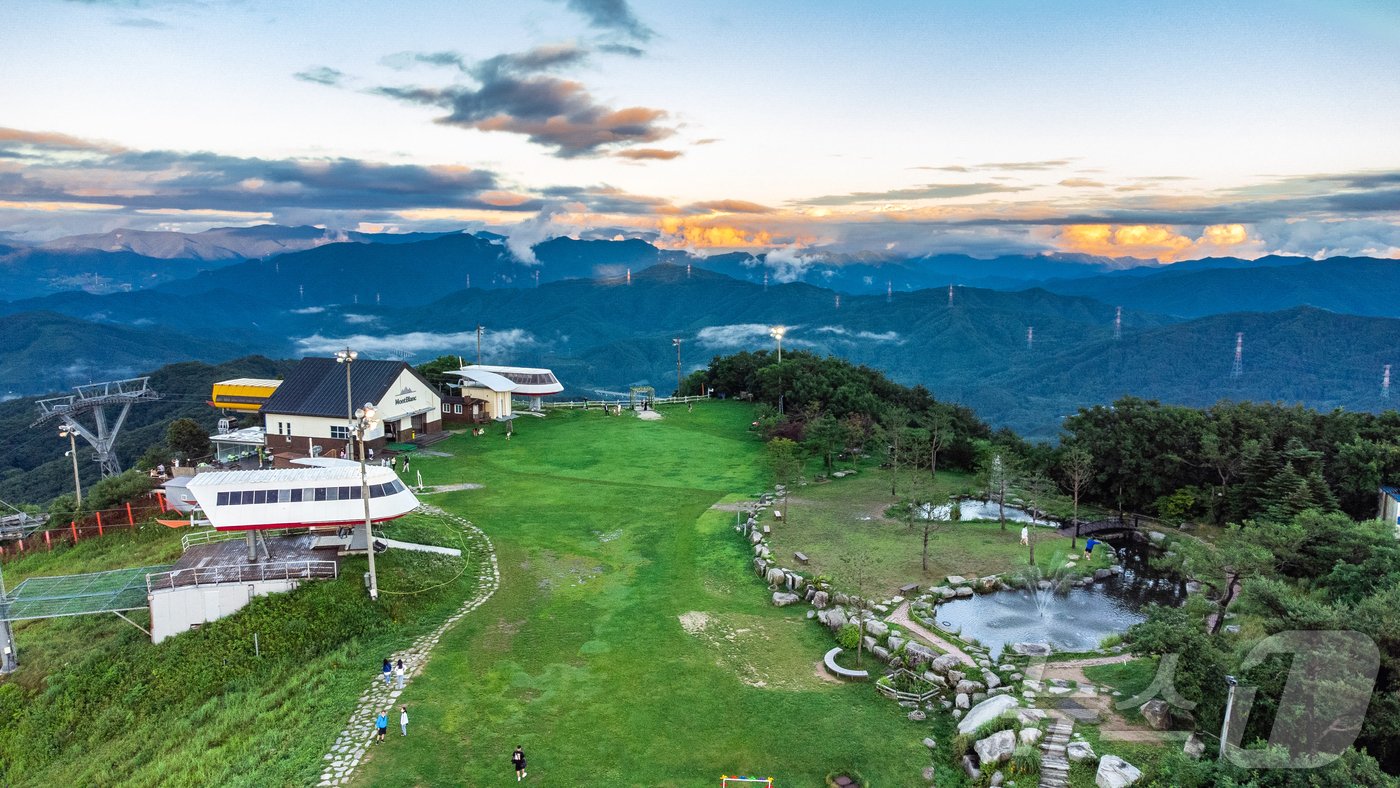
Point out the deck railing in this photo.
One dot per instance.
(242, 573)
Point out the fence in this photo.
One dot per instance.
(622, 402)
(105, 522)
(207, 536)
(242, 573)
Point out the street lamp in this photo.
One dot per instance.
(1229, 706)
(677, 343)
(365, 419)
(65, 431)
(347, 357)
(777, 333)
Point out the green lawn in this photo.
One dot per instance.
(845, 517)
(629, 644)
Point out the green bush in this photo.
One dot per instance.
(848, 636)
(996, 725)
(1025, 759)
(116, 490)
(962, 745)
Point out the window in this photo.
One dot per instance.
(284, 496)
(355, 493)
(344, 493)
(340, 432)
(444, 407)
(457, 407)
(295, 495)
(260, 496)
(320, 493)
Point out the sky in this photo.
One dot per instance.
(1167, 131)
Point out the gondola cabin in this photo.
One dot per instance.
(327, 495)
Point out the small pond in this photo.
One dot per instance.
(979, 510)
(1075, 621)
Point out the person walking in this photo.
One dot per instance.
(1025, 534)
(405, 465)
(382, 723)
(394, 463)
(1089, 548)
(388, 668)
(399, 671)
(517, 759)
(403, 720)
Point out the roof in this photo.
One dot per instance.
(350, 471)
(524, 370)
(247, 435)
(1392, 492)
(484, 379)
(260, 382)
(316, 386)
(529, 381)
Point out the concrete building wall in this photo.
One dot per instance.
(180, 609)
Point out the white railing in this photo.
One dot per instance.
(622, 402)
(212, 535)
(242, 573)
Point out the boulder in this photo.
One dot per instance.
(991, 679)
(835, 618)
(820, 599)
(877, 629)
(944, 663)
(1079, 751)
(881, 653)
(934, 679)
(942, 592)
(869, 642)
(968, 686)
(987, 710)
(756, 537)
(1195, 747)
(894, 642)
(1030, 736)
(929, 773)
(1044, 585)
(1157, 713)
(1032, 649)
(962, 701)
(841, 599)
(930, 743)
(954, 676)
(1193, 587)
(1101, 574)
(957, 580)
(998, 779)
(1114, 772)
(970, 767)
(988, 584)
(963, 592)
(775, 576)
(917, 653)
(917, 715)
(995, 748)
(783, 599)
(1157, 537)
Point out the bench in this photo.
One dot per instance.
(845, 673)
(801, 557)
(909, 590)
(767, 530)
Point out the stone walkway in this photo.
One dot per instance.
(1054, 765)
(901, 617)
(351, 744)
(1113, 727)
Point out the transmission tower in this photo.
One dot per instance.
(1118, 324)
(889, 291)
(1385, 383)
(1030, 337)
(537, 277)
(629, 276)
(95, 398)
(1238, 368)
(687, 270)
(950, 295)
(765, 281)
(838, 300)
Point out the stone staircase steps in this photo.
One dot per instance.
(1054, 767)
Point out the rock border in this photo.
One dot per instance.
(349, 747)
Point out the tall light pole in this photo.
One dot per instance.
(365, 419)
(347, 357)
(677, 343)
(64, 431)
(9, 655)
(777, 333)
(480, 329)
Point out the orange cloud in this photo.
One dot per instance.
(678, 233)
(1158, 241)
(643, 154)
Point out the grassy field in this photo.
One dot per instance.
(95, 703)
(628, 643)
(832, 522)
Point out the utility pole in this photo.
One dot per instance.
(1238, 368)
(677, 343)
(9, 656)
(479, 330)
(1385, 383)
(365, 418)
(1118, 324)
(1030, 337)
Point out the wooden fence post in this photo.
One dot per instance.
(48, 540)
(99, 523)
(129, 519)
(73, 525)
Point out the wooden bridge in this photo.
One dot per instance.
(1126, 521)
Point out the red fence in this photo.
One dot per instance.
(92, 525)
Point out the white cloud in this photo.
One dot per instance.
(361, 319)
(867, 336)
(495, 345)
(309, 310)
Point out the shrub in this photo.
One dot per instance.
(996, 725)
(962, 745)
(1025, 759)
(848, 636)
(1110, 640)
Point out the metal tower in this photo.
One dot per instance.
(1118, 324)
(1385, 383)
(1238, 368)
(889, 291)
(687, 270)
(765, 281)
(95, 398)
(950, 295)
(838, 300)
(1030, 337)
(537, 277)
(629, 276)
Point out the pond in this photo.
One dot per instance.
(1075, 621)
(979, 510)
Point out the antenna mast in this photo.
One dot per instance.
(1385, 383)
(1118, 324)
(1030, 337)
(1238, 368)
(950, 295)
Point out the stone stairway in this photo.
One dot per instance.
(1054, 766)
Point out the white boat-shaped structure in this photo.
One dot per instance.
(325, 495)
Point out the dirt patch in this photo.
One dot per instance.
(649, 415)
(746, 645)
(820, 671)
(442, 488)
(1114, 726)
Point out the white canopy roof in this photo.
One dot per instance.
(480, 378)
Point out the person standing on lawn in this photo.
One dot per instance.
(403, 720)
(517, 759)
(382, 723)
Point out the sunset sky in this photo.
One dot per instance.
(1160, 130)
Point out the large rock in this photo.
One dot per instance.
(1079, 751)
(984, 712)
(943, 592)
(835, 618)
(970, 767)
(1101, 575)
(1114, 772)
(1157, 713)
(962, 701)
(877, 629)
(895, 642)
(1195, 747)
(881, 653)
(995, 748)
(964, 591)
(917, 653)
(1030, 736)
(934, 679)
(775, 576)
(1032, 649)
(957, 580)
(783, 600)
(968, 686)
(988, 584)
(820, 599)
(944, 663)
(991, 679)
(756, 537)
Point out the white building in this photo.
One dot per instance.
(533, 383)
